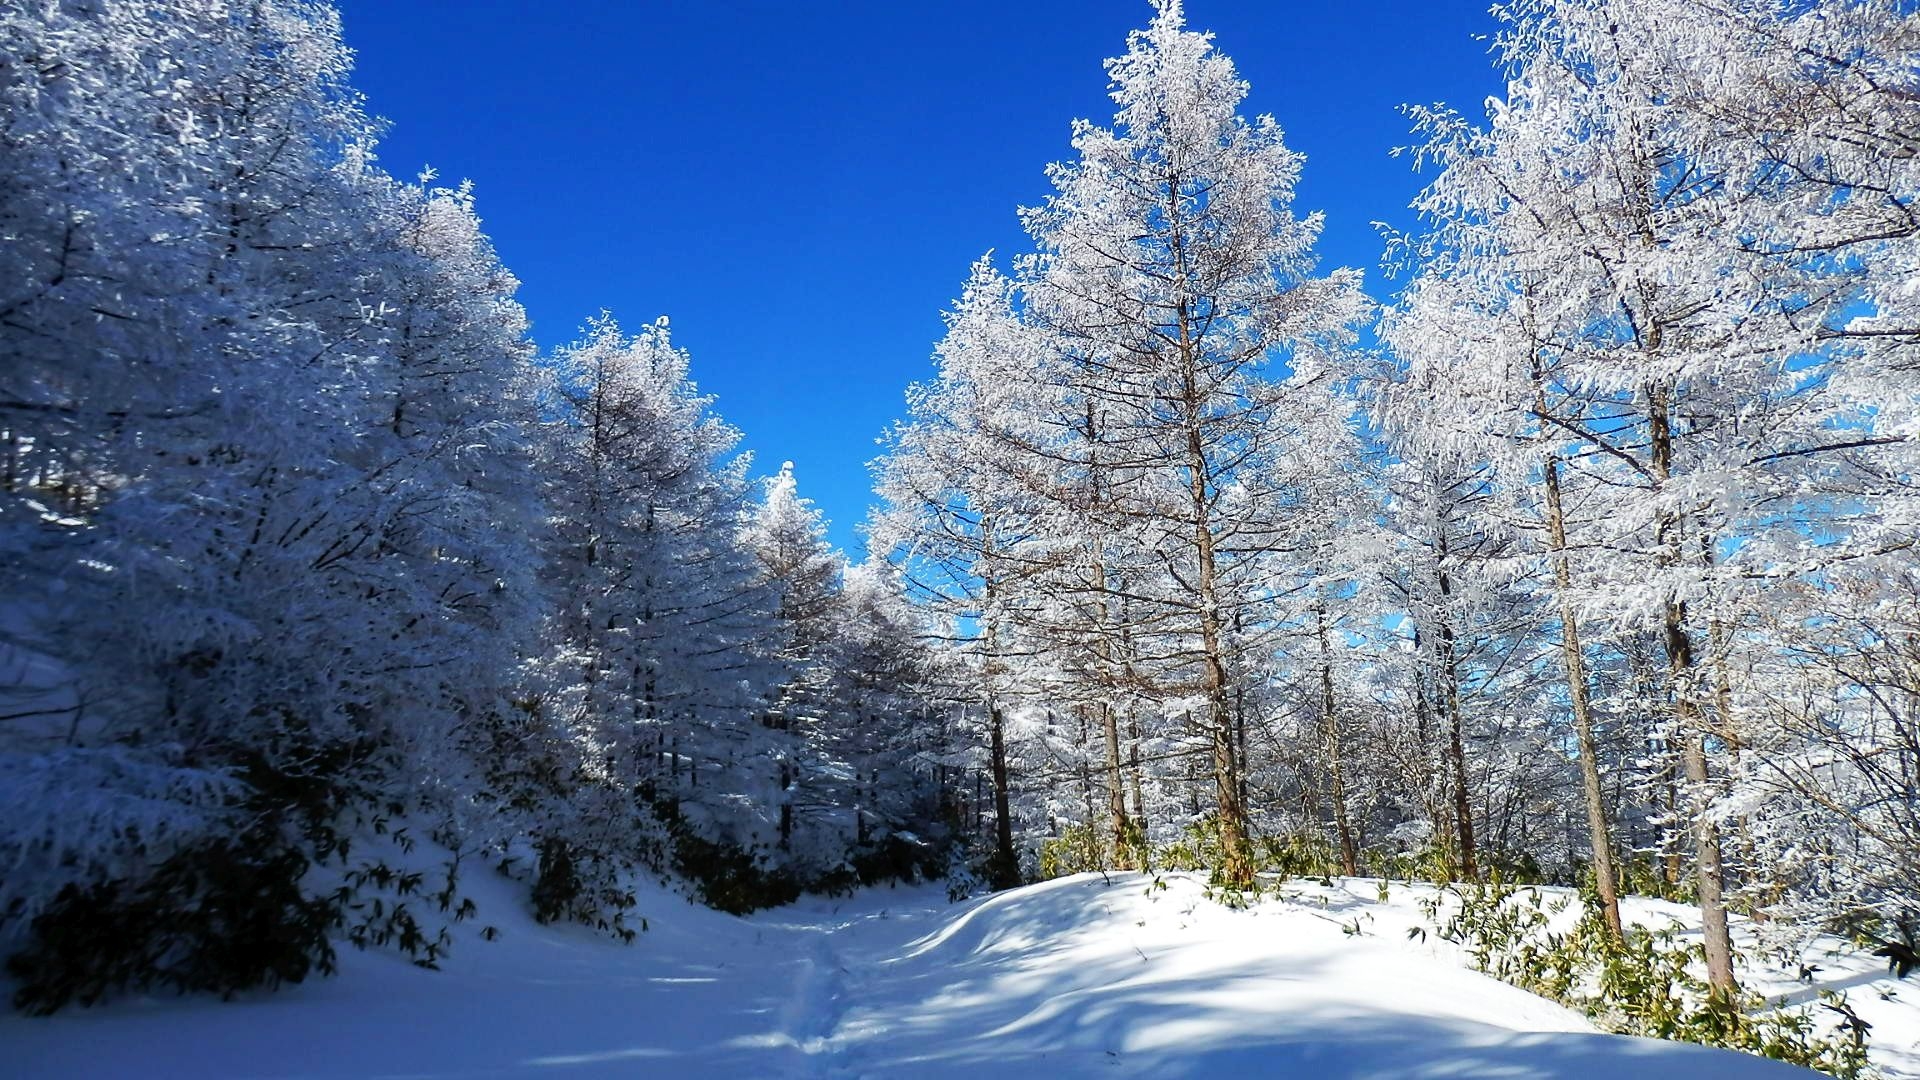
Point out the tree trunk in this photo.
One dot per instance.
(1706, 834)
(1236, 853)
(1090, 807)
(1456, 738)
(1689, 722)
(1134, 774)
(1575, 663)
(1123, 854)
(1003, 870)
(1330, 732)
(1116, 791)
(1432, 796)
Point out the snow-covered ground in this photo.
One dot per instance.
(1077, 977)
(1890, 1005)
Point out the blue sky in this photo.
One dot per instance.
(800, 187)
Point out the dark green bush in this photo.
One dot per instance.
(220, 917)
(1640, 984)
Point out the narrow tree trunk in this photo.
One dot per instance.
(1123, 855)
(1432, 797)
(1134, 774)
(1236, 860)
(1574, 661)
(1330, 733)
(1727, 726)
(1689, 722)
(1236, 852)
(1693, 757)
(1003, 870)
(1671, 836)
(786, 805)
(1116, 790)
(1236, 855)
(1456, 736)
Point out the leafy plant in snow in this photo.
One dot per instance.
(1643, 982)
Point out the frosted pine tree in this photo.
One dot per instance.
(958, 514)
(1169, 256)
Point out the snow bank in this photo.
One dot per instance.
(1084, 977)
(1077, 977)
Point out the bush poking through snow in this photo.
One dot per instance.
(1645, 983)
(220, 917)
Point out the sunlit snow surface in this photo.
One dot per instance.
(1076, 977)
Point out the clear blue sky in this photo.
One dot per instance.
(801, 186)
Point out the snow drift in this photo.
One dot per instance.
(1082, 976)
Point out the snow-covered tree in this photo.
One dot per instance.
(1631, 303)
(957, 510)
(267, 503)
(1170, 261)
(663, 610)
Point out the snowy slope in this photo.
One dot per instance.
(1890, 1005)
(1080, 978)
(1076, 977)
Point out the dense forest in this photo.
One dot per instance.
(1589, 557)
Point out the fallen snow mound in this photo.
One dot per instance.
(1083, 976)
(1091, 976)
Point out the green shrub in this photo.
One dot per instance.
(1641, 984)
(1197, 849)
(220, 917)
(1644, 877)
(234, 913)
(896, 857)
(580, 886)
(1305, 855)
(1075, 851)
(1432, 863)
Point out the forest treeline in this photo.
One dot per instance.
(1588, 557)
(324, 589)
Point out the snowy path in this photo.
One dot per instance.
(1071, 978)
